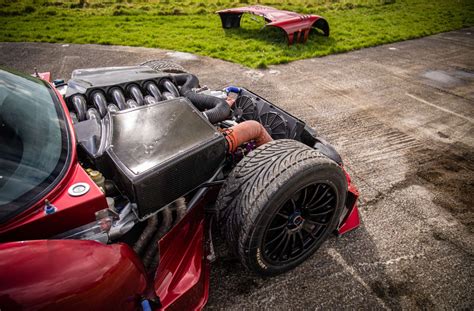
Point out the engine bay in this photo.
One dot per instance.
(154, 142)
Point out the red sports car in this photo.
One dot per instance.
(112, 184)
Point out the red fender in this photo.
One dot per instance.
(70, 274)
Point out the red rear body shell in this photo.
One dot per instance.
(78, 275)
(296, 26)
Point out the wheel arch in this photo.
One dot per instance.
(322, 25)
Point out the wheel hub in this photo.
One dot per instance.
(295, 221)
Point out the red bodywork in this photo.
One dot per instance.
(70, 274)
(295, 25)
(77, 274)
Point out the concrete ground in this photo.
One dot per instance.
(402, 117)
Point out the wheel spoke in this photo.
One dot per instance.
(285, 238)
(276, 238)
(312, 222)
(320, 198)
(282, 215)
(315, 193)
(304, 196)
(300, 236)
(278, 227)
(321, 213)
(293, 205)
(310, 231)
(291, 245)
(320, 205)
(284, 246)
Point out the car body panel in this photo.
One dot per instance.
(296, 26)
(183, 268)
(351, 219)
(351, 222)
(71, 212)
(46, 76)
(70, 275)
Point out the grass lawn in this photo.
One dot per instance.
(192, 26)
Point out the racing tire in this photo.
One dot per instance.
(164, 66)
(279, 204)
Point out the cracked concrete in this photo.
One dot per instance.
(401, 115)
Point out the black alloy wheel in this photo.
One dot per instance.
(299, 223)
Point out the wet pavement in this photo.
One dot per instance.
(402, 117)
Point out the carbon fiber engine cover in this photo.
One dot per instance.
(163, 151)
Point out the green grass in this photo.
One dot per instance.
(192, 26)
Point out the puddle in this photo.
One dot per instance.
(453, 78)
(441, 77)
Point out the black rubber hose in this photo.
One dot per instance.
(187, 82)
(215, 109)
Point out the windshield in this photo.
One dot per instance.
(33, 142)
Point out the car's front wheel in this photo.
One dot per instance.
(279, 204)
